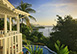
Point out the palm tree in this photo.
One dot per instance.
(26, 8)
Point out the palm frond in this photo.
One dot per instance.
(30, 10)
(31, 17)
(28, 23)
(21, 2)
(28, 5)
(18, 7)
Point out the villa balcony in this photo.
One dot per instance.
(10, 42)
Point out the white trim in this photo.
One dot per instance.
(12, 8)
(21, 12)
(8, 4)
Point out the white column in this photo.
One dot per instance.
(5, 24)
(9, 47)
(10, 27)
(5, 46)
(18, 30)
(5, 39)
(18, 24)
(10, 24)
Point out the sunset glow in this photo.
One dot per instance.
(46, 10)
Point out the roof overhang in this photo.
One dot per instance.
(21, 12)
(10, 7)
(6, 2)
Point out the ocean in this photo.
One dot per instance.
(46, 31)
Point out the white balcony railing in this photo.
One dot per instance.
(10, 33)
(10, 40)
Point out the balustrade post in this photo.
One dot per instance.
(18, 44)
(15, 45)
(9, 46)
(5, 46)
(21, 42)
(12, 46)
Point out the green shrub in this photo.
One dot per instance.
(73, 52)
(32, 51)
(39, 44)
(61, 49)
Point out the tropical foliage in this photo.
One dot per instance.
(2, 23)
(61, 49)
(26, 8)
(31, 49)
(66, 32)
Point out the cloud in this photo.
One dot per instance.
(65, 1)
(48, 11)
(38, 11)
(61, 8)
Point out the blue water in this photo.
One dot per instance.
(45, 51)
(46, 31)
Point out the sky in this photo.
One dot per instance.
(46, 10)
